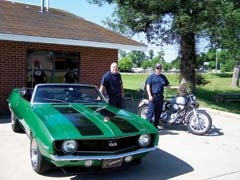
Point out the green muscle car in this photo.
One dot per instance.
(72, 126)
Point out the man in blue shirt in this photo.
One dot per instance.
(111, 85)
(155, 84)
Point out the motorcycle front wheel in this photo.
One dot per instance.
(199, 125)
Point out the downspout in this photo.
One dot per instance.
(42, 6)
(47, 5)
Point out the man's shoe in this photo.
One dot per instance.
(159, 128)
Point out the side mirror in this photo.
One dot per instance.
(23, 92)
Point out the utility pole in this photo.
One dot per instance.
(216, 61)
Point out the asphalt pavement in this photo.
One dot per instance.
(180, 154)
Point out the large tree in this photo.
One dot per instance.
(171, 21)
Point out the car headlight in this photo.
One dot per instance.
(69, 146)
(144, 140)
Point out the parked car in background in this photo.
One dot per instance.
(72, 126)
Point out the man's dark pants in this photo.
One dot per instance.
(155, 109)
(116, 100)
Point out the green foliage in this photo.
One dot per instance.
(176, 63)
(171, 21)
(125, 64)
(227, 67)
(122, 54)
(137, 57)
(201, 80)
(165, 20)
(146, 64)
(151, 54)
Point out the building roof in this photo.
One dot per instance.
(27, 23)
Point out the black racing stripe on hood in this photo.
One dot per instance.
(123, 125)
(83, 124)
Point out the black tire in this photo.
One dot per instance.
(16, 127)
(199, 127)
(142, 111)
(138, 161)
(39, 163)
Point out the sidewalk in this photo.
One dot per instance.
(221, 113)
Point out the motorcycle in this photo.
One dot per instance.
(181, 110)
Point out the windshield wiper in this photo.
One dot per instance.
(52, 100)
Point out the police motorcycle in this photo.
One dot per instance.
(181, 110)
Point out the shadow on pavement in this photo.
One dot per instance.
(5, 119)
(156, 165)
(167, 129)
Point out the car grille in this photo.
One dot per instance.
(111, 145)
(114, 145)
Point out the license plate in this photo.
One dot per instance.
(111, 163)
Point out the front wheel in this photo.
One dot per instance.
(142, 111)
(39, 163)
(201, 124)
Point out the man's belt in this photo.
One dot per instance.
(116, 95)
(157, 95)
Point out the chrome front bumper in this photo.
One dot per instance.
(100, 157)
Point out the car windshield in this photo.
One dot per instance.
(66, 94)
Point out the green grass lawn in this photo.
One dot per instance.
(217, 83)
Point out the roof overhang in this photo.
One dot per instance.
(73, 42)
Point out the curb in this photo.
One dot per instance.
(222, 113)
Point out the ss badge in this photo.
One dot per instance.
(112, 144)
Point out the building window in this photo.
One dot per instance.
(52, 67)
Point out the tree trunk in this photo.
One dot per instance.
(188, 59)
(235, 77)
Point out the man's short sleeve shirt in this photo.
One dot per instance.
(112, 83)
(157, 83)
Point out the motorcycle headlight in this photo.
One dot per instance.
(175, 107)
(144, 140)
(69, 146)
(194, 98)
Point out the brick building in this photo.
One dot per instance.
(55, 40)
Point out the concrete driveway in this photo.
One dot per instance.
(181, 155)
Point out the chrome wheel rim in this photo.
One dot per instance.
(199, 124)
(144, 113)
(34, 153)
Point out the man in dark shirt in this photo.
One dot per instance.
(111, 85)
(155, 84)
(38, 74)
(70, 76)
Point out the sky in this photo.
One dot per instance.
(96, 14)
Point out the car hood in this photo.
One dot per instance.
(79, 121)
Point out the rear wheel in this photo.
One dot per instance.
(16, 127)
(200, 125)
(142, 111)
(39, 163)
